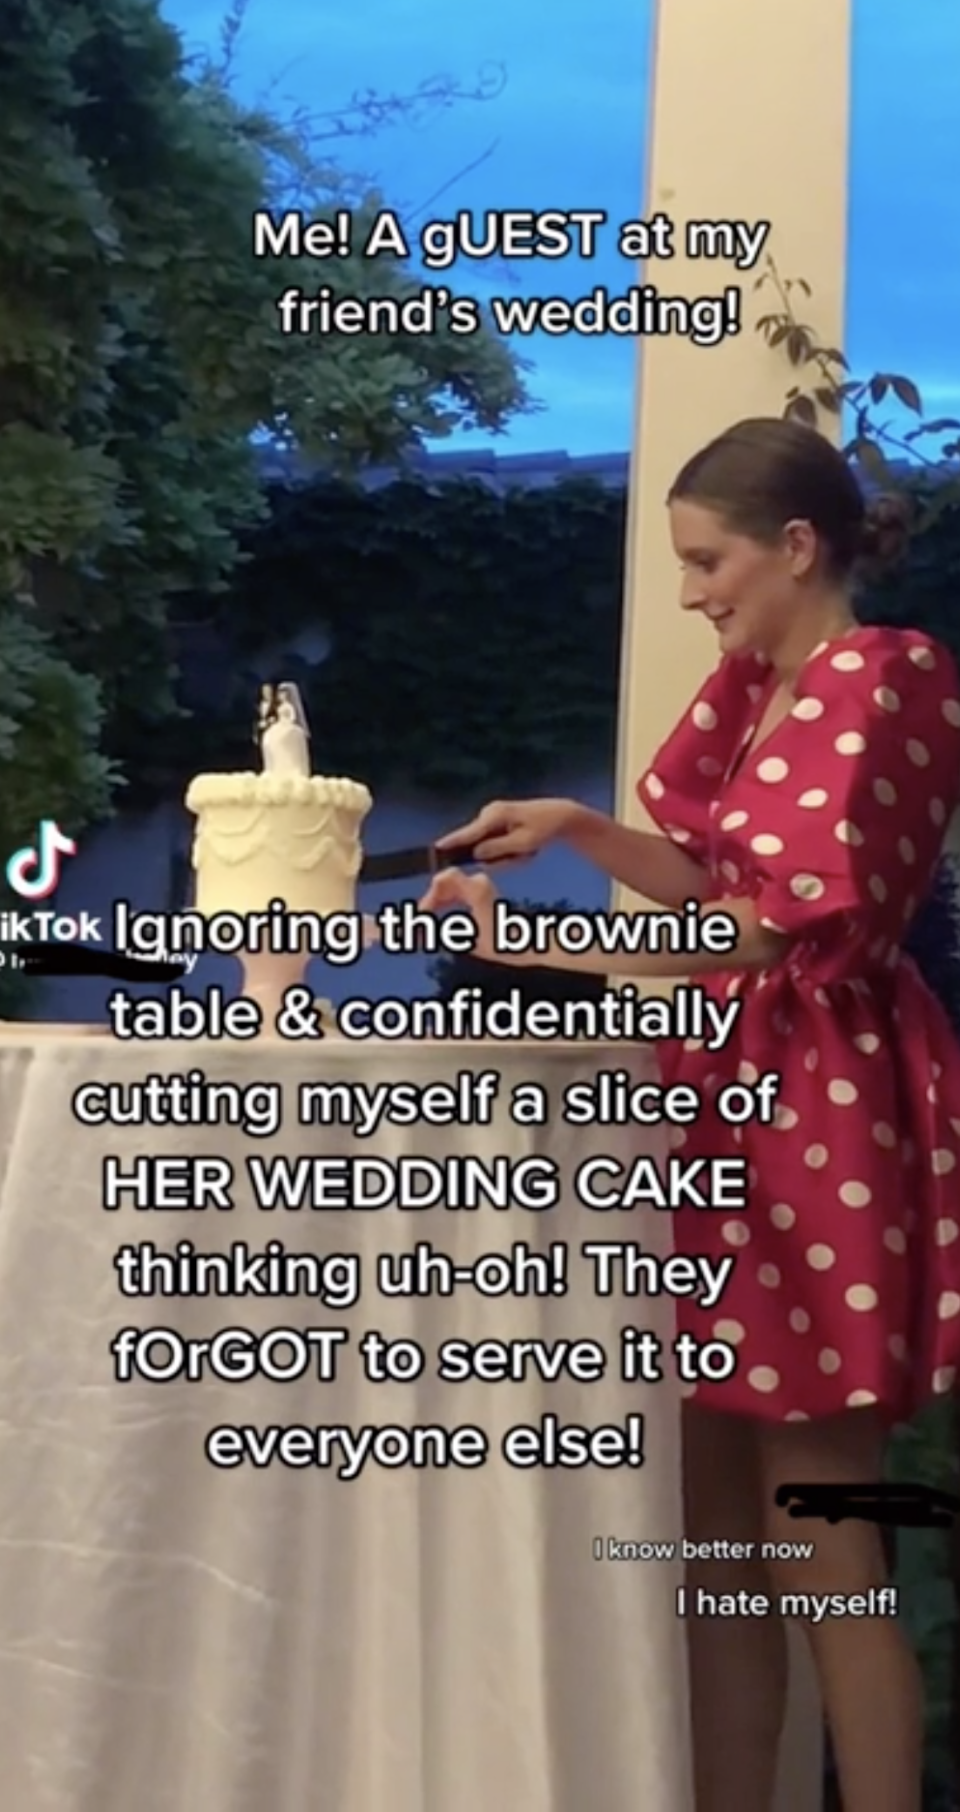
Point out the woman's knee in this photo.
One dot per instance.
(809, 1555)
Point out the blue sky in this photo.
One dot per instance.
(568, 130)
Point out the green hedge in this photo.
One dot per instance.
(474, 637)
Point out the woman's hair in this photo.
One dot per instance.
(762, 474)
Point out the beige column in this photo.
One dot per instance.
(750, 112)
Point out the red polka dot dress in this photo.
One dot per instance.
(846, 1289)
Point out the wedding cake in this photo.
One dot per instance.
(282, 834)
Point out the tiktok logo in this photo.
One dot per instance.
(34, 873)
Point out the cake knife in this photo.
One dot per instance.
(406, 864)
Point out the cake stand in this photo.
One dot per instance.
(267, 976)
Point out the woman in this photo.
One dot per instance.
(805, 793)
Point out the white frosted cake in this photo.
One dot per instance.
(284, 834)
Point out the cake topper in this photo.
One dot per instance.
(290, 706)
(266, 713)
(283, 732)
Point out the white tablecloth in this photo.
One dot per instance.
(175, 1638)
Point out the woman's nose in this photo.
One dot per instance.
(691, 594)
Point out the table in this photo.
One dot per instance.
(177, 1638)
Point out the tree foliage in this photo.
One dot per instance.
(923, 460)
(139, 350)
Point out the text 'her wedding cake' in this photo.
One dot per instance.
(283, 834)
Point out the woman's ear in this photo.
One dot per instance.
(801, 547)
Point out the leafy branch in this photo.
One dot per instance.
(367, 113)
(826, 387)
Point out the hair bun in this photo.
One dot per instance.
(885, 531)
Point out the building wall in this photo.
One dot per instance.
(750, 121)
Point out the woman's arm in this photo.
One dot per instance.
(648, 864)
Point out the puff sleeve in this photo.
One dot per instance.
(846, 802)
(686, 774)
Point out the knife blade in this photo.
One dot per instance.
(406, 864)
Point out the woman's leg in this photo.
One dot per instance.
(869, 1676)
(738, 1665)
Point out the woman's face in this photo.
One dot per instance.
(747, 590)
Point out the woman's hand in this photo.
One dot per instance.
(513, 830)
(477, 893)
